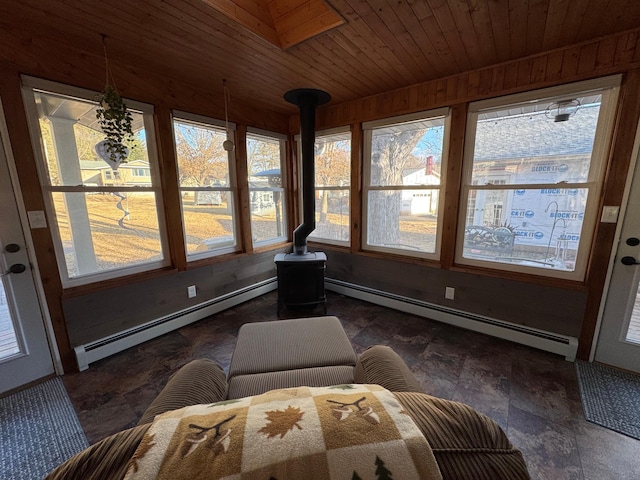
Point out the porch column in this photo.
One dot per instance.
(64, 144)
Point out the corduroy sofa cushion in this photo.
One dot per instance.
(257, 383)
(291, 344)
(466, 444)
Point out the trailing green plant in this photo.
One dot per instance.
(116, 123)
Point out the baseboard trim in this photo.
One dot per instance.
(543, 340)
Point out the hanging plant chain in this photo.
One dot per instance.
(113, 116)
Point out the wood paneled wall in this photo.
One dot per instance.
(616, 54)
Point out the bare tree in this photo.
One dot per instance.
(332, 168)
(262, 156)
(201, 159)
(390, 157)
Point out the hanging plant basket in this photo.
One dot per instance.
(116, 123)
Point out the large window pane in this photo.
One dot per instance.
(411, 216)
(533, 177)
(403, 185)
(527, 227)
(206, 187)
(107, 231)
(528, 147)
(332, 214)
(105, 216)
(333, 183)
(407, 153)
(266, 192)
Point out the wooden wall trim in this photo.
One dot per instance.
(293, 187)
(453, 179)
(242, 182)
(355, 194)
(168, 168)
(19, 136)
(596, 58)
(614, 185)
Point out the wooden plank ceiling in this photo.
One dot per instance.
(381, 46)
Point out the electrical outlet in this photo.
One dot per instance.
(449, 293)
(191, 291)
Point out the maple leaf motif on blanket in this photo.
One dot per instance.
(282, 421)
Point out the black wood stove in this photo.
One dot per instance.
(301, 273)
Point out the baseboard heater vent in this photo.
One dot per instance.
(543, 340)
(104, 347)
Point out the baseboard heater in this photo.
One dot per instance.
(550, 342)
(99, 349)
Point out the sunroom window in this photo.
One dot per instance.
(533, 172)
(265, 153)
(404, 170)
(207, 185)
(105, 221)
(332, 186)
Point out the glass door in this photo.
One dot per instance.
(25, 355)
(619, 338)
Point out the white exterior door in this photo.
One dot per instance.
(619, 339)
(25, 355)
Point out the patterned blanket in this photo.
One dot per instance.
(341, 432)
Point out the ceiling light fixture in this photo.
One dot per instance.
(562, 110)
(228, 144)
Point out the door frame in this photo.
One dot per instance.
(633, 165)
(5, 144)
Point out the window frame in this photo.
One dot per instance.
(609, 88)
(282, 139)
(367, 131)
(325, 133)
(29, 86)
(232, 189)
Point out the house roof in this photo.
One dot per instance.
(537, 135)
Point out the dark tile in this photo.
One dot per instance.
(494, 404)
(107, 419)
(607, 455)
(490, 374)
(550, 449)
(542, 393)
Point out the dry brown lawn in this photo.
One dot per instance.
(137, 239)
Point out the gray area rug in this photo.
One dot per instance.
(39, 430)
(610, 397)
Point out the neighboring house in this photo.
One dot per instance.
(423, 202)
(554, 154)
(97, 172)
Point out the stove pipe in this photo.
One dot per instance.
(306, 99)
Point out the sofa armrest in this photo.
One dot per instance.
(199, 381)
(382, 366)
(105, 460)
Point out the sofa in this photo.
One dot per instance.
(465, 443)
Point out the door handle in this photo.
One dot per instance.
(12, 248)
(15, 268)
(629, 261)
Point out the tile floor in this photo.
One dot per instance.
(532, 394)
